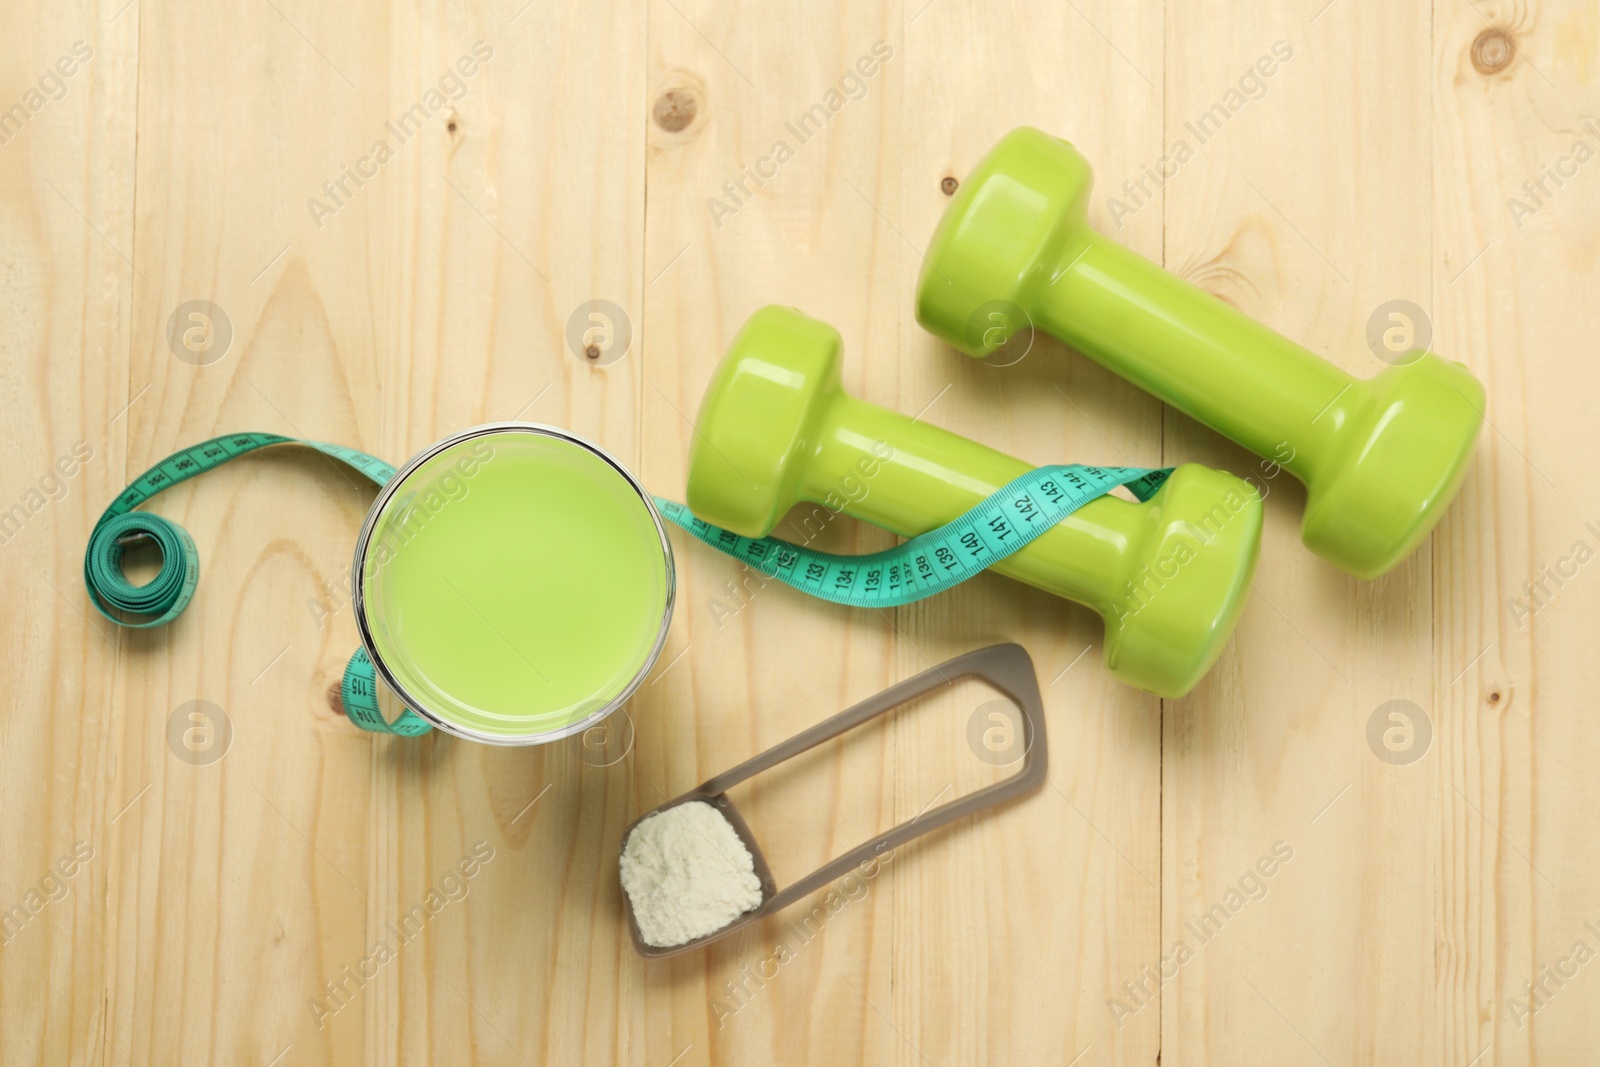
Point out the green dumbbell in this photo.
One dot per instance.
(1169, 576)
(1381, 458)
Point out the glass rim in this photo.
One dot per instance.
(358, 596)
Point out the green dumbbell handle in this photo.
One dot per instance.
(1193, 351)
(936, 475)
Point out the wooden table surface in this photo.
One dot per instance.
(243, 887)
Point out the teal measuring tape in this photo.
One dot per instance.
(995, 528)
(165, 596)
(358, 695)
(930, 563)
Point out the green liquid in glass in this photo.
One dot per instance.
(515, 584)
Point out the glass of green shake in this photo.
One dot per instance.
(513, 584)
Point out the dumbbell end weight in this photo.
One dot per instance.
(1005, 231)
(762, 418)
(1169, 576)
(1381, 458)
(1411, 434)
(1175, 603)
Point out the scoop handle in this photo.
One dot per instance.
(1007, 667)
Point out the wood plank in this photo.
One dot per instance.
(1514, 91)
(531, 208)
(66, 246)
(242, 877)
(762, 663)
(1327, 958)
(381, 313)
(1010, 937)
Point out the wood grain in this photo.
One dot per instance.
(234, 899)
(706, 271)
(1027, 981)
(1320, 959)
(66, 245)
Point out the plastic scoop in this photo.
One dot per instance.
(1006, 667)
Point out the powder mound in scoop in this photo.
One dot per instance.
(687, 874)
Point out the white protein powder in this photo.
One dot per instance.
(687, 874)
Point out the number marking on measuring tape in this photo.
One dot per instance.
(358, 694)
(995, 528)
(931, 563)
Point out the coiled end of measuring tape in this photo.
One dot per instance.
(160, 600)
(163, 599)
